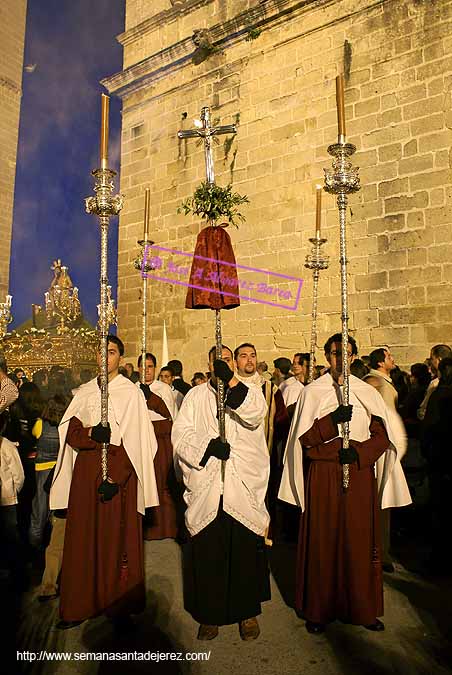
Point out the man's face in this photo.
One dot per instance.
(435, 363)
(334, 358)
(246, 361)
(165, 376)
(225, 356)
(113, 358)
(388, 363)
(129, 369)
(199, 380)
(149, 372)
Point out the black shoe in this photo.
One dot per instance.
(315, 628)
(47, 598)
(377, 627)
(388, 567)
(65, 625)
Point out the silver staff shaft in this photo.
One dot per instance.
(220, 386)
(342, 180)
(144, 317)
(104, 205)
(342, 206)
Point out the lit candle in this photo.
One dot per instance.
(318, 210)
(340, 108)
(104, 132)
(9, 300)
(147, 208)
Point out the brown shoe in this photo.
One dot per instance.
(249, 629)
(207, 632)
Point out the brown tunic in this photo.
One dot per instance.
(103, 566)
(339, 566)
(213, 246)
(161, 521)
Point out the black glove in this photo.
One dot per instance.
(348, 455)
(145, 388)
(343, 413)
(101, 434)
(216, 448)
(222, 370)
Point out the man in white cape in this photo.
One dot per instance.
(339, 566)
(225, 486)
(103, 565)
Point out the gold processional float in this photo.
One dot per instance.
(56, 335)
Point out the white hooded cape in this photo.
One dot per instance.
(320, 398)
(129, 422)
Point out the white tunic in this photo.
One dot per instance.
(246, 471)
(291, 390)
(129, 422)
(320, 398)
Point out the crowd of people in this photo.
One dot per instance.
(162, 469)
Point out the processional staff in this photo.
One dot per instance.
(104, 205)
(315, 261)
(143, 263)
(341, 180)
(207, 132)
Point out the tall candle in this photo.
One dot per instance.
(104, 132)
(318, 210)
(147, 208)
(340, 105)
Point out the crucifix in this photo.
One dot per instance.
(207, 133)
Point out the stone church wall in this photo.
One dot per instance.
(279, 87)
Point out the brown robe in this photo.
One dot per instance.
(339, 566)
(103, 565)
(213, 246)
(161, 521)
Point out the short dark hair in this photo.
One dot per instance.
(376, 357)
(421, 373)
(176, 365)
(359, 369)
(445, 370)
(116, 341)
(170, 369)
(40, 376)
(283, 364)
(244, 344)
(213, 349)
(441, 351)
(149, 357)
(337, 337)
(303, 356)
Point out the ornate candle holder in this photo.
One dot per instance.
(315, 261)
(104, 205)
(5, 315)
(144, 263)
(342, 180)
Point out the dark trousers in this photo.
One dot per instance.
(12, 547)
(226, 573)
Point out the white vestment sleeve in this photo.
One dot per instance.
(188, 444)
(254, 408)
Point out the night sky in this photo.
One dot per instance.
(73, 46)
